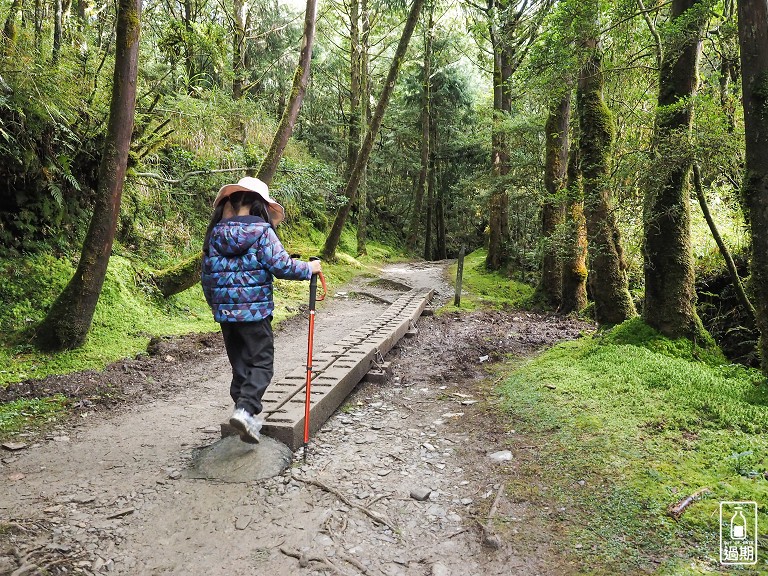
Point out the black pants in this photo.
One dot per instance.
(251, 351)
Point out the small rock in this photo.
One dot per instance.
(14, 446)
(169, 358)
(439, 569)
(242, 522)
(469, 402)
(484, 358)
(97, 565)
(7, 565)
(83, 499)
(429, 446)
(16, 477)
(121, 513)
(501, 456)
(174, 475)
(492, 541)
(421, 494)
(579, 546)
(466, 501)
(583, 482)
(60, 438)
(384, 472)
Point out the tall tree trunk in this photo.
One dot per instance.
(440, 207)
(428, 238)
(238, 47)
(57, 30)
(350, 190)
(39, 27)
(574, 282)
(300, 79)
(498, 206)
(753, 39)
(670, 295)
(607, 270)
(353, 141)
(729, 65)
(9, 29)
(418, 198)
(70, 317)
(189, 53)
(365, 114)
(355, 117)
(82, 14)
(553, 211)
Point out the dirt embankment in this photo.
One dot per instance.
(400, 481)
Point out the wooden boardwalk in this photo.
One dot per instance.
(337, 370)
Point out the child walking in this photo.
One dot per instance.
(241, 255)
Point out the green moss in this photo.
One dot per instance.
(480, 287)
(644, 425)
(17, 415)
(637, 333)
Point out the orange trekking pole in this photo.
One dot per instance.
(310, 341)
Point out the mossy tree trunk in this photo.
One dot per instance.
(359, 109)
(9, 29)
(70, 317)
(57, 30)
(753, 39)
(426, 113)
(180, 277)
(513, 27)
(240, 25)
(670, 295)
(553, 210)
(429, 253)
(574, 266)
(284, 130)
(351, 188)
(498, 204)
(607, 270)
(441, 252)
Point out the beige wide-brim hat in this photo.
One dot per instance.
(250, 184)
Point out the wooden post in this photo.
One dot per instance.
(459, 274)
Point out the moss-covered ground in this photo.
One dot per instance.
(625, 424)
(481, 288)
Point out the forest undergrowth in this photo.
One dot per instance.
(626, 424)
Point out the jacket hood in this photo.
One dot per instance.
(235, 236)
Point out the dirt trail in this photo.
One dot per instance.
(106, 494)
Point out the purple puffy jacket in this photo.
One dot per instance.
(243, 256)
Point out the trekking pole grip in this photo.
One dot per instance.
(313, 287)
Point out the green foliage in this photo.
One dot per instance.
(644, 424)
(30, 286)
(21, 414)
(127, 307)
(635, 332)
(481, 287)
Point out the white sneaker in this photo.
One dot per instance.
(248, 426)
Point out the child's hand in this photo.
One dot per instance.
(315, 266)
